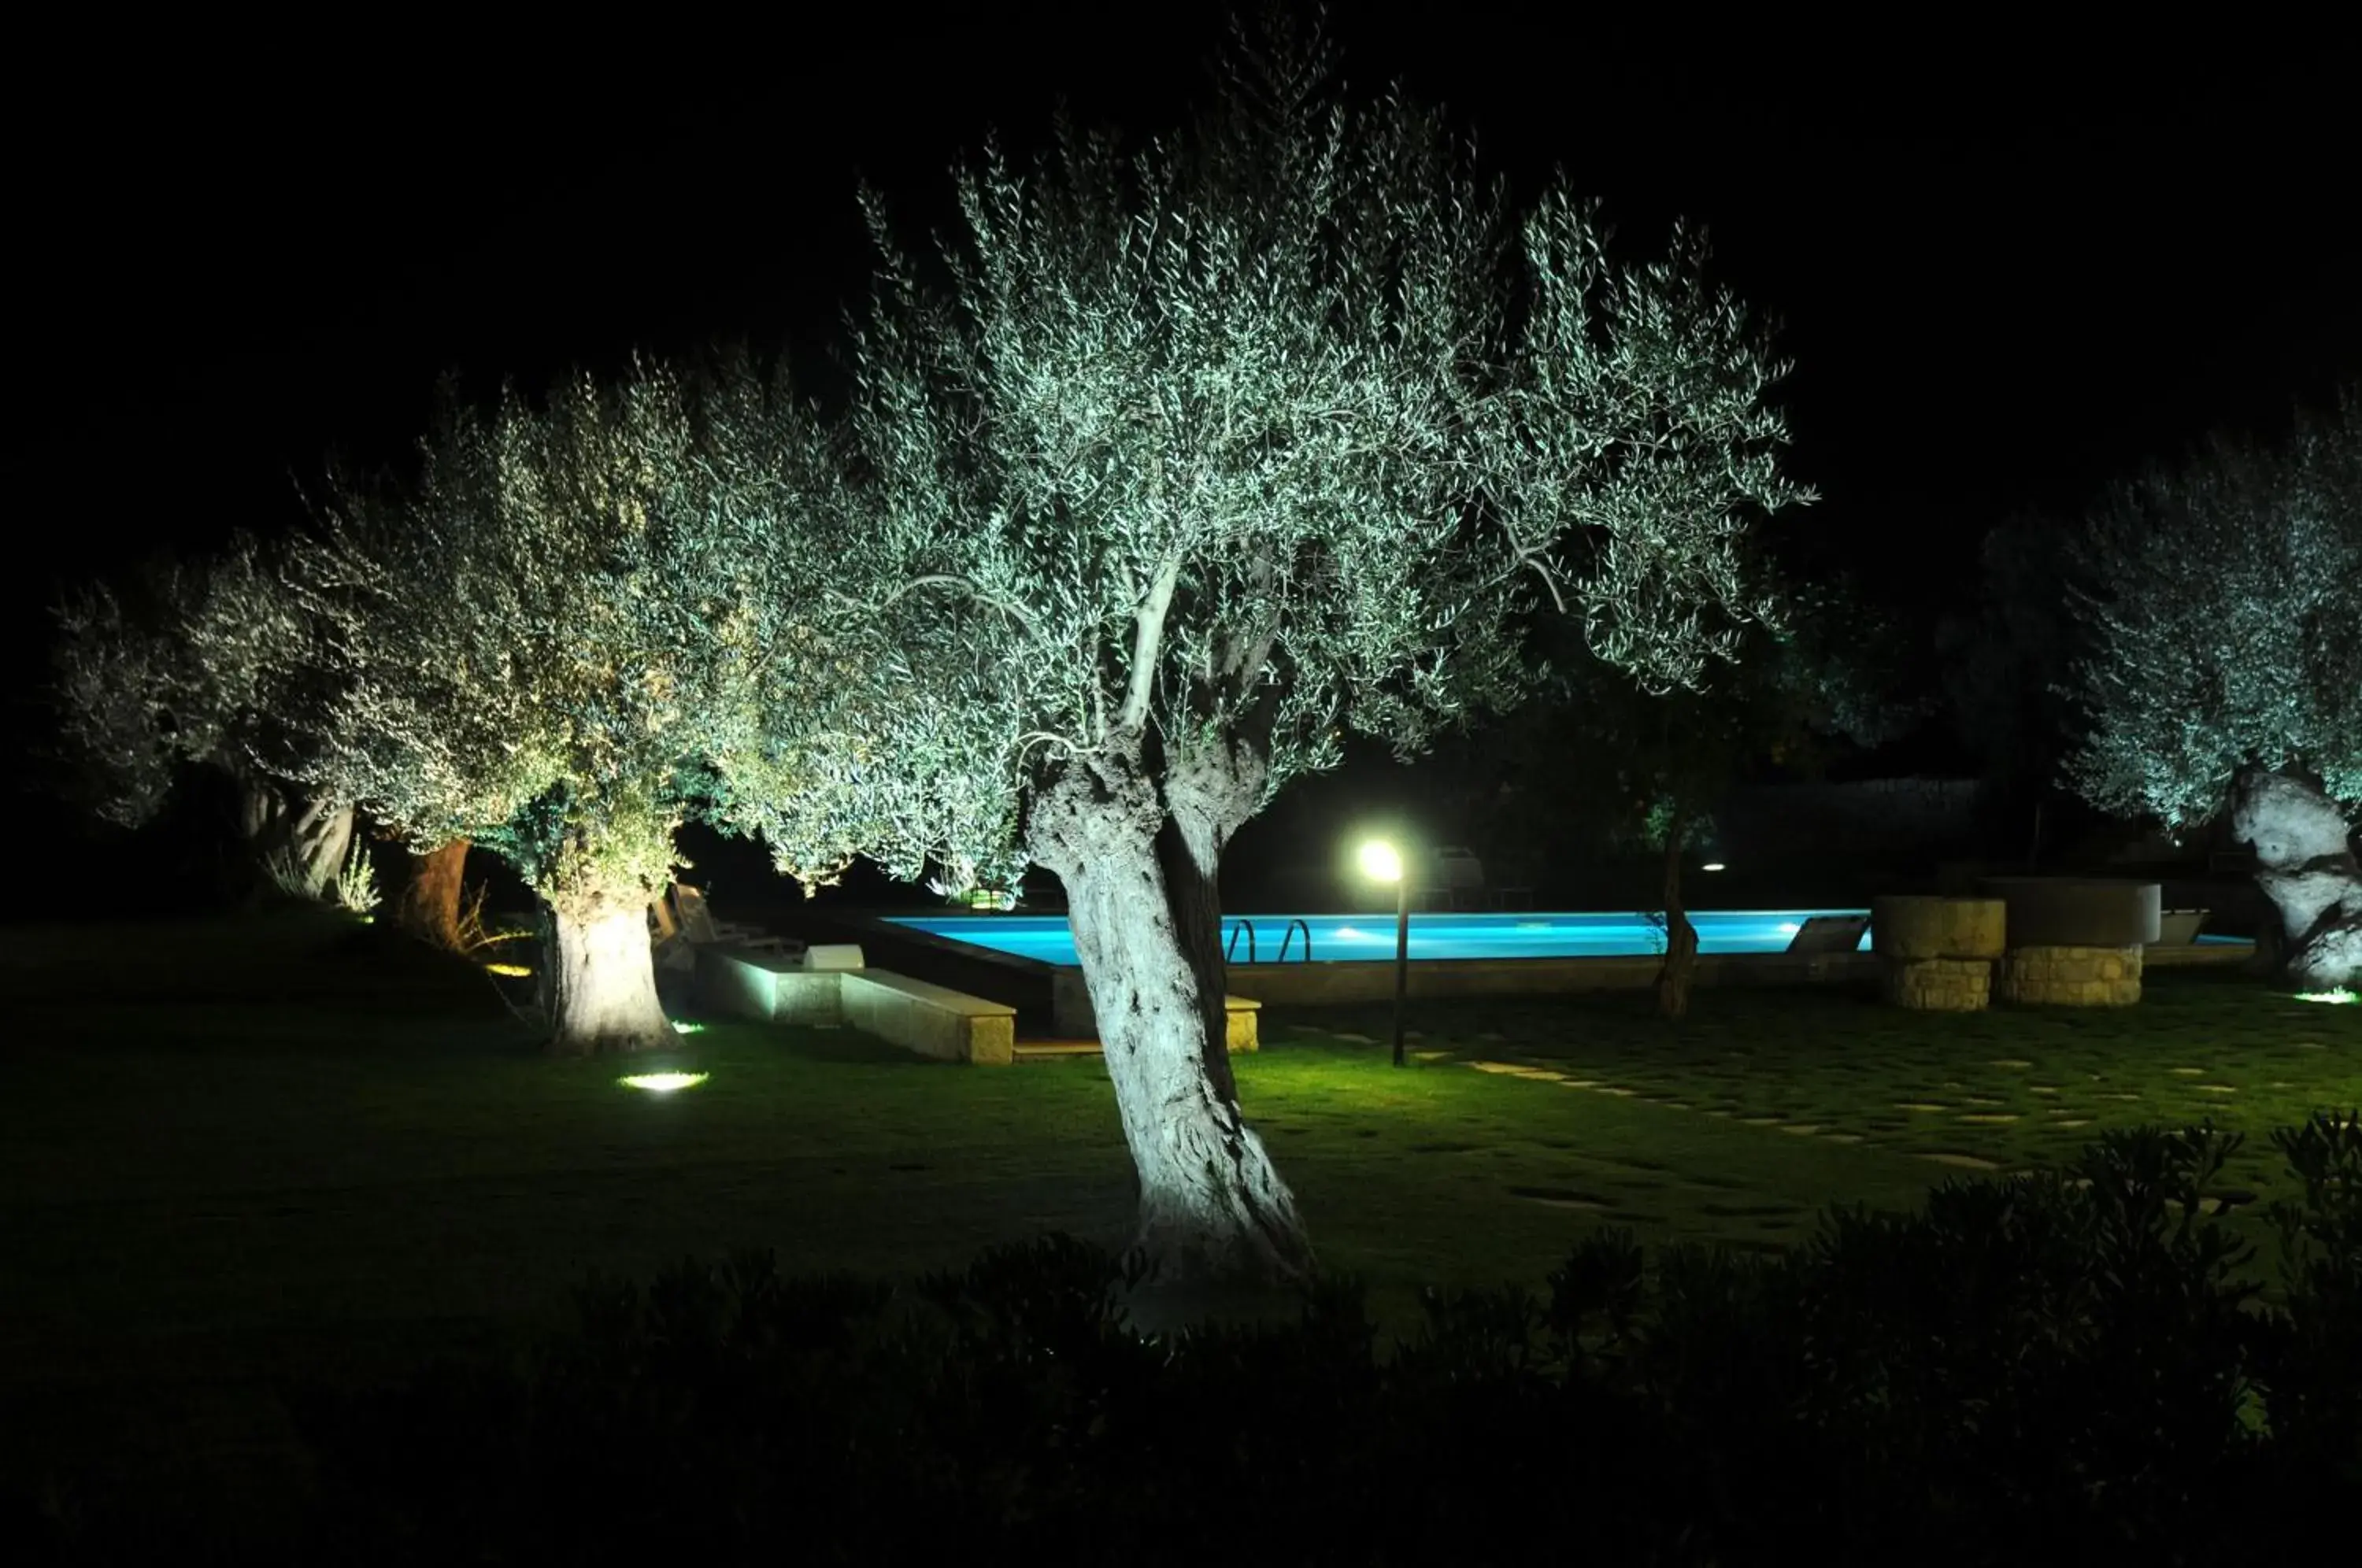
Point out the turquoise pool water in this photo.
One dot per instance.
(1346, 938)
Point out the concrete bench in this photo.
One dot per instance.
(770, 987)
(766, 984)
(933, 1020)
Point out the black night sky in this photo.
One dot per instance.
(2000, 287)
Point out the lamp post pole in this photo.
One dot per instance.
(1402, 954)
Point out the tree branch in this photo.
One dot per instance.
(1147, 641)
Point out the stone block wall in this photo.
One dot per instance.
(2072, 976)
(1940, 984)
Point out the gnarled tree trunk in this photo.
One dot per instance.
(427, 907)
(598, 983)
(1139, 849)
(1681, 938)
(2305, 865)
(295, 840)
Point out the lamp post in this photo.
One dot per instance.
(1380, 863)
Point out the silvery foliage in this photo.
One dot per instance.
(581, 609)
(2225, 617)
(1253, 436)
(216, 663)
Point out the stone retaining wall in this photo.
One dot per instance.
(2072, 976)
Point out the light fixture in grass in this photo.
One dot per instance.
(662, 1083)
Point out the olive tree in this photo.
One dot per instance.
(2223, 617)
(1198, 458)
(215, 665)
(551, 639)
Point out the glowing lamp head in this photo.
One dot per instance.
(662, 1083)
(2341, 996)
(1712, 866)
(1380, 863)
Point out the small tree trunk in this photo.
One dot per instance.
(428, 905)
(1681, 938)
(2306, 865)
(598, 982)
(321, 835)
(1140, 872)
(295, 842)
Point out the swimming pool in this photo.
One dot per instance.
(1371, 937)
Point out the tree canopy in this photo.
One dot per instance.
(550, 637)
(214, 662)
(1267, 432)
(2225, 623)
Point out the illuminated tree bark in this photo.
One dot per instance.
(428, 905)
(598, 982)
(295, 840)
(1140, 858)
(2306, 865)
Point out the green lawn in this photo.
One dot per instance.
(240, 1152)
(2006, 1090)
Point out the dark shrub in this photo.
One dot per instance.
(2030, 1367)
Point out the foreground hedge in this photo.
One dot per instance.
(2031, 1367)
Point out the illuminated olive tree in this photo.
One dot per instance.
(2224, 620)
(214, 666)
(554, 635)
(1210, 454)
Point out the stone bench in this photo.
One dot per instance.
(767, 986)
(933, 1020)
(770, 987)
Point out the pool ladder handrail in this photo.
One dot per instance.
(1231, 948)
